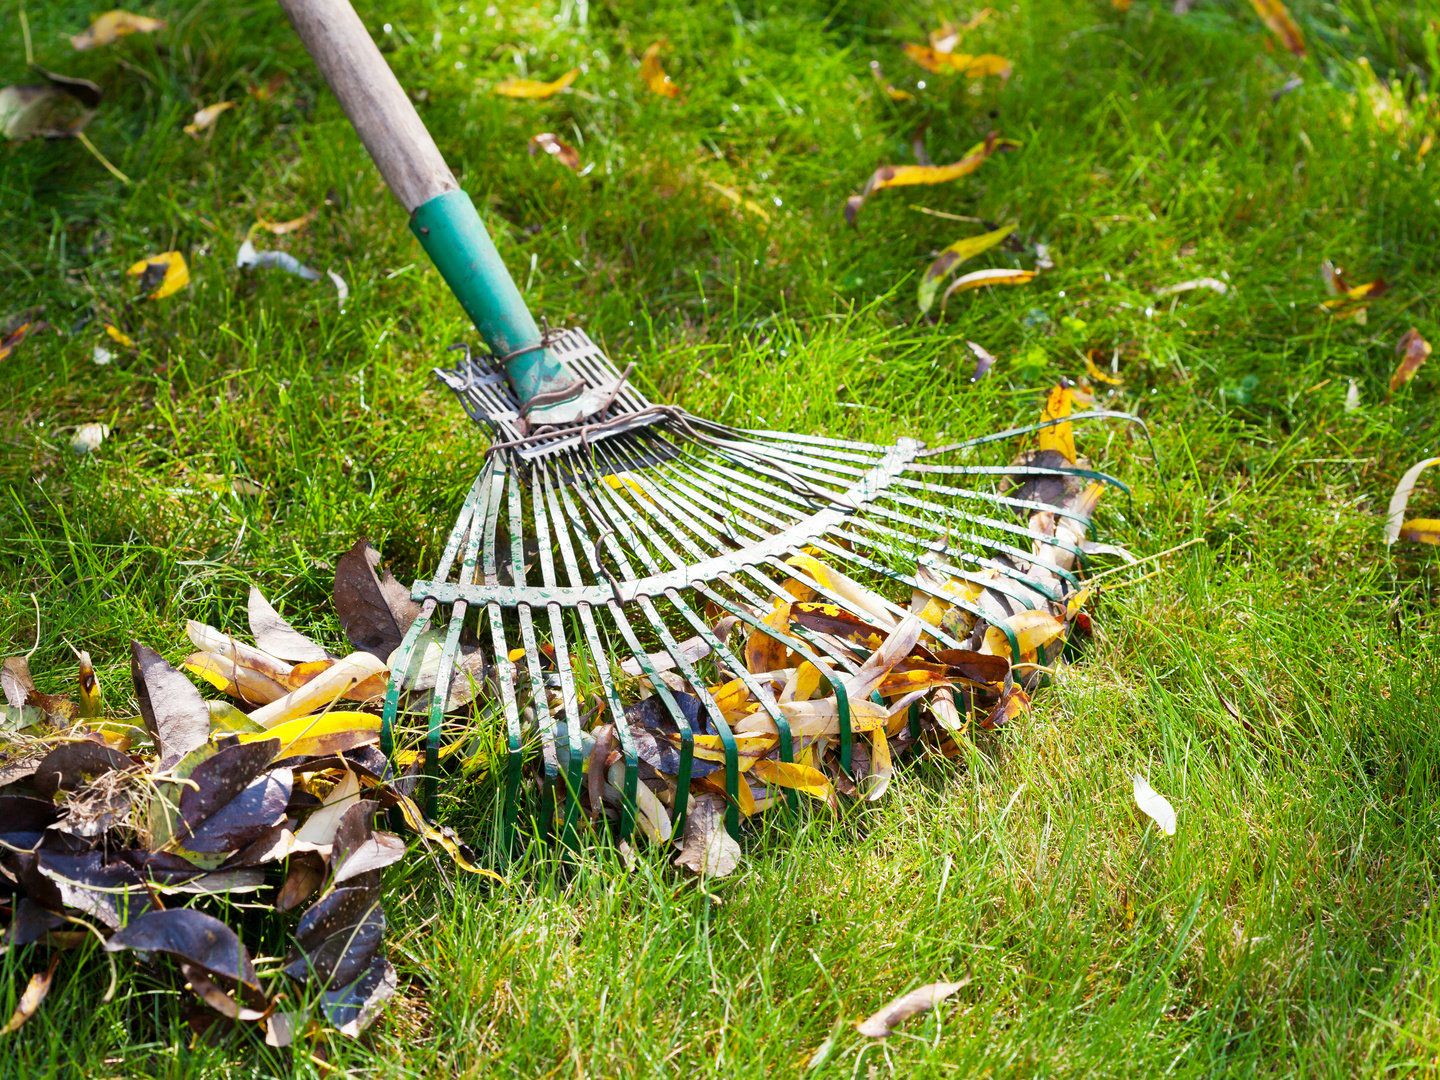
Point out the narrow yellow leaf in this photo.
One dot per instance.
(533, 88)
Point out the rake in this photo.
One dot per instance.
(605, 531)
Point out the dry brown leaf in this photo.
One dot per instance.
(533, 88)
(884, 1022)
(654, 74)
(1275, 16)
(560, 151)
(1413, 351)
(111, 26)
(32, 998)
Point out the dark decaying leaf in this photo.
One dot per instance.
(246, 818)
(30, 1000)
(353, 1007)
(884, 1022)
(338, 937)
(109, 892)
(72, 764)
(374, 611)
(192, 936)
(58, 109)
(305, 873)
(32, 922)
(218, 998)
(22, 818)
(707, 849)
(358, 848)
(173, 710)
(220, 778)
(276, 636)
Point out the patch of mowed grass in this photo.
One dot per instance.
(1273, 679)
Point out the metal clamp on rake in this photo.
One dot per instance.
(618, 542)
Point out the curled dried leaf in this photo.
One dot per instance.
(883, 1023)
(888, 176)
(950, 258)
(982, 279)
(1395, 513)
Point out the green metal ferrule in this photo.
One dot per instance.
(457, 241)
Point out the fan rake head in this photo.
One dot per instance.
(603, 562)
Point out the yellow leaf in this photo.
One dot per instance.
(119, 336)
(283, 228)
(533, 88)
(966, 247)
(974, 67)
(981, 279)
(1274, 15)
(323, 733)
(206, 117)
(167, 271)
(881, 765)
(654, 74)
(763, 652)
(1058, 437)
(1099, 375)
(111, 26)
(788, 774)
(1033, 630)
(739, 200)
(1421, 531)
(435, 835)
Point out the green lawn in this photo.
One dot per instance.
(1275, 679)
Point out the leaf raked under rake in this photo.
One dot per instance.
(687, 622)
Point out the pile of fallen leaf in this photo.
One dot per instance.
(114, 825)
(904, 689)
(119, 823)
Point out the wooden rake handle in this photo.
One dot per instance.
(372, 98)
